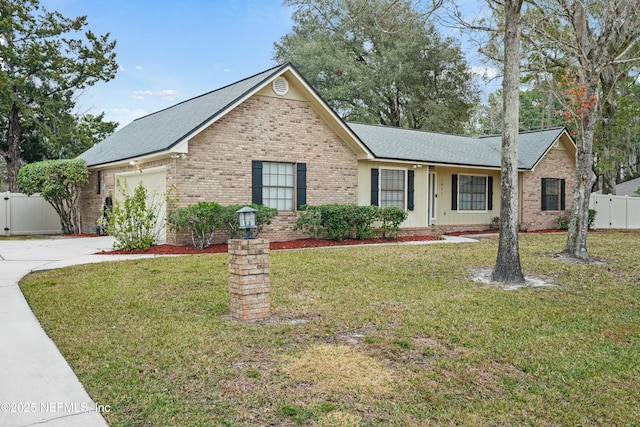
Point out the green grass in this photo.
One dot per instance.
(395, 335)
(25, 237)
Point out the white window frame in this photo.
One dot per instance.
(486, 194)
(267, 187)
(404, 189)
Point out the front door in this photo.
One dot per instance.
(432, 197)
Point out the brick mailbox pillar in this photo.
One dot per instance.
(249, 280)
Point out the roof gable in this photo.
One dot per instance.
(163, 130)
(388, 143)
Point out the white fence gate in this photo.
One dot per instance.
(22, 214)
(615, 211)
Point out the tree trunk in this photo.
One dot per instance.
(12, 156)
(508, 268)
(585, 178)
(589, 80)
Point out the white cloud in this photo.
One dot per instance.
(166, 95)
(486, 72)
(139, 68)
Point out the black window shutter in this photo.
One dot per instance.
(256, 182)
(410, 188)
(543, 195)
(490, 193)
(374, 187)
(454, 192)
(563, 206)
(301, 185)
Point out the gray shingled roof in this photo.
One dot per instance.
(162, 130)
(420, 146)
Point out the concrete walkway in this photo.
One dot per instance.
(37, 386)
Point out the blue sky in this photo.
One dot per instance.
(170, 51)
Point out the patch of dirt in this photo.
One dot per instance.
(292, 244)
(531, 282)
(340, 369)
(575, 260)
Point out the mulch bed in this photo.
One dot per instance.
(293, 244)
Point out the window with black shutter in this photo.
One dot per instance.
(552, 194)
(279, 185)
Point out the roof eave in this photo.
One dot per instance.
(435, 163)
(140, 160)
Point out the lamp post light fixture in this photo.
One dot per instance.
(247, 221)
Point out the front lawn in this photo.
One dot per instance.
(394, 335)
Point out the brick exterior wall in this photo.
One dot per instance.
(218, 165)
(556, 164)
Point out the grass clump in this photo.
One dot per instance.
(394, 335)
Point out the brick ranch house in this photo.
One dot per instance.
(271, 139)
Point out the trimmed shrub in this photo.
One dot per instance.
(592, 217)
(563, 220)
(201, 220)
(338, 222)
(391, 218)
(362, 219)
(310, 222)
(335, 221)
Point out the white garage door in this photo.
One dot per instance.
(155, 181)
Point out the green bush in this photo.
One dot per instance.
(362, 219)
(134, 219)
(310, 222)
(563, 220)
(338, 222)
(391, 218)
(335, 221)
(201, 220)
(264, 215)
(592, 217)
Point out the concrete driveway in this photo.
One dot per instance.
(37, 386)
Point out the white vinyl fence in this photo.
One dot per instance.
(22, 214)
(615, 211)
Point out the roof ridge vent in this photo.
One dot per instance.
(280, 86)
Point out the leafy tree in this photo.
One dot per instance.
(577, 44)
(594, 38)
(59, 182)
(386, 63)
(617, 143)
(45, 62)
